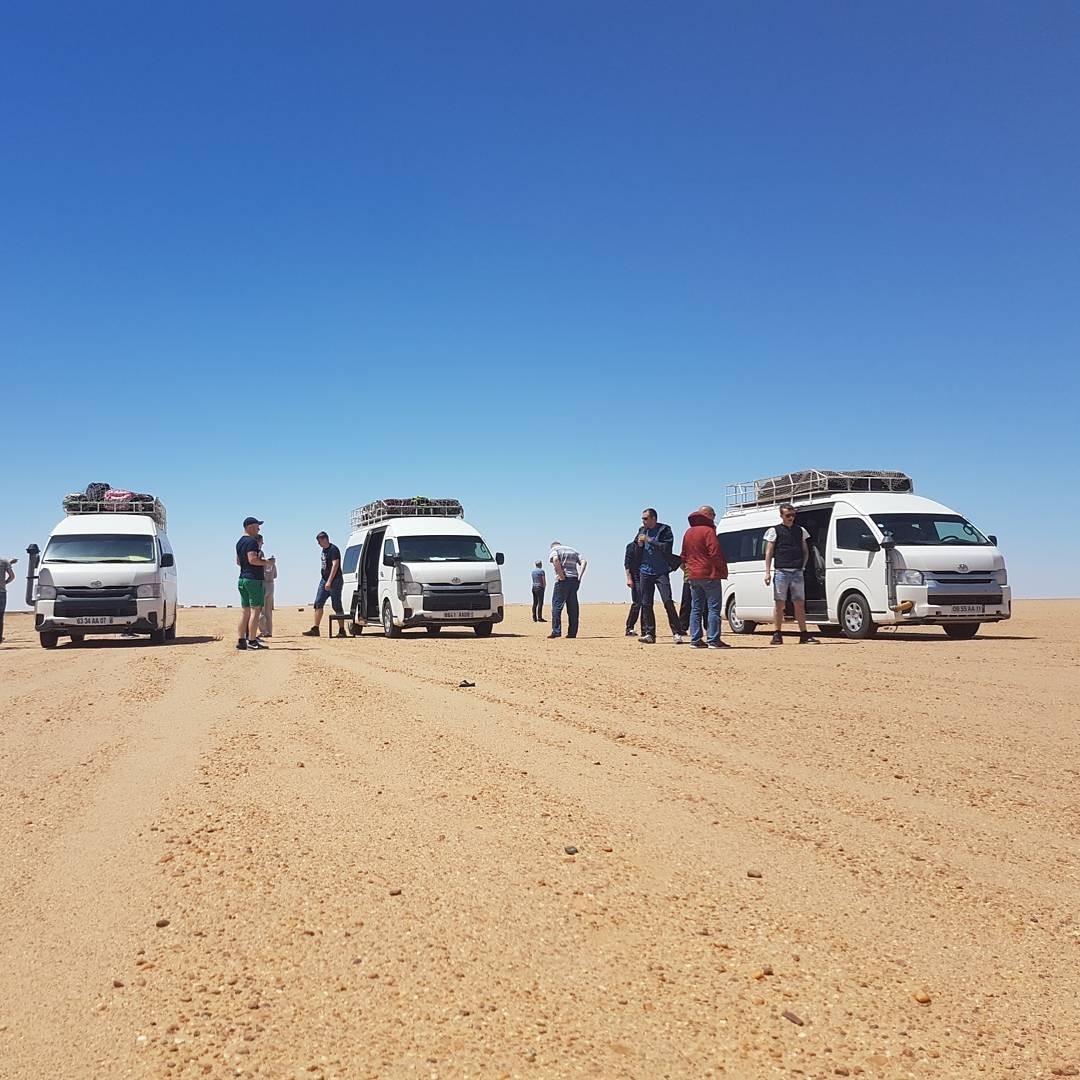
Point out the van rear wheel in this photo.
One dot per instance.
(961, 631)
(738, 626)
(855, 618)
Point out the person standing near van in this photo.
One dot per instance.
(704, 569)
(632, 566)
(569, 569)
(786, 544)
(656, 541)
(252, 567)
(7, 576)
(539, 587)
(266, 619)
(329, 584)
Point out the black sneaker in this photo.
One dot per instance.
(698, 645)
(647, 639)
(341, 633)
(776, 639)
(631, 633)
(806, 639)
(256, 646)
(313, 632)
(242, 644)
(550, 636)
(719, 645)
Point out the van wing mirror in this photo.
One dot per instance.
(992, 538)
(391, 559)
(168, 559)
(500, 558)
(869, 543)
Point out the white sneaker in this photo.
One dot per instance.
(678, 639)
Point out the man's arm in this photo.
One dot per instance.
(581, 572)
(255, 559)
(9, 574)
(556, 563)
(805, 553)
(334, 566)
(543, 580)
(769, 548)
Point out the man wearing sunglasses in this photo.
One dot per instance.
(786, 543)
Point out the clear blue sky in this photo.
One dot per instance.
(559, 260)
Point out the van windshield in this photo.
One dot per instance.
(925, 529)
(443, 549)
(99, 549)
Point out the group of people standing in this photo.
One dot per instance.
(649, 560)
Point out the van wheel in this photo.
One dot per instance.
(157, 637)
(433, 630)
(483, 629)
(77, 639)
(738, 626)
(962, 631)
(49, 639)
(828, 630)
(389, 629)
(855, 619)
(170, 634)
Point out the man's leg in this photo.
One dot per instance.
(697, 603)
(558, 602)
(253, 623)
(635, 608)
(646, 587)
(3, 608)
(714, 595)
(663, 586)
(800, 615)
(266, 620)
(321, 596)
(572, 607)
(686, 604)
(245, 618)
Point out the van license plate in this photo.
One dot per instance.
(94, 620)
(459, 614)
(967, 609)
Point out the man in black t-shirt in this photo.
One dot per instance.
(329, 585)
(251, 564)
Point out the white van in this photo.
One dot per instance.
(879, 556)
(417, 562)
(105, 573)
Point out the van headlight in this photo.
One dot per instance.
(46, 592)
(1001, 576)
(907, 577)
(148, 592)
(413, 588)
(494, 586)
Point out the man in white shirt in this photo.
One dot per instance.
(266, 618)
(569, 569)
(787, 544)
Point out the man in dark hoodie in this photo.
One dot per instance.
(632, 566)
(706, 569)
(656, 541)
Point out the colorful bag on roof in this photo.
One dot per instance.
(117, 496)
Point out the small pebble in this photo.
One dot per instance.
(117, 984)
(753, 873)
(161, 923)
(395, 892)
(922, 997)
(787, 1014)
(570, 849)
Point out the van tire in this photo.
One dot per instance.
(737, 625)
(157, 637)
(483, 629)
(77, 639)
(170, 633)
(856, 622)
(828, 630)
(433, 630)
(49, 639)
(961, 631)
(389, 629)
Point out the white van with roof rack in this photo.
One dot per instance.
(880, 555)
(417, 562)
(107, 568)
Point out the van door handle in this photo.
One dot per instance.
(836, 560)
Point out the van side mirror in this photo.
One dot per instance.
(868, 543)
(392, 559)
(500, 558)
(168, 559)
(992, 538)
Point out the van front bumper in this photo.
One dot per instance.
(939, 604)
(145, 618)
(452, 618)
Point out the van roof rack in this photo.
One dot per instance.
(80, 504)
(810, 484)
(383, 509)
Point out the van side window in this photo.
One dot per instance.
(352, 557)
(388, 548)
(747, 545)
(852, 534)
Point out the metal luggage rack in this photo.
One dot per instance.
(383, 509)
(811, 484)
(152, 508)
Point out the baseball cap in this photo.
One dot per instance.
(251, 521)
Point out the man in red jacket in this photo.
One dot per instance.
(706, 568)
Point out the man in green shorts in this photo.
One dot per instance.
(251, 586)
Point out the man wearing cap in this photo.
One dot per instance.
(7, 576)
(251, 564)
(329, 584)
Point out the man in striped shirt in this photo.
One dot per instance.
(569, 569)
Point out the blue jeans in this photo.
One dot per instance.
(3, 608)
(333, 595)
(564, 595)
(705, 591)
(648, 586)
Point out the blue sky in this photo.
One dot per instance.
(559, 261)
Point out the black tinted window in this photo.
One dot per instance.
(747, 545)
(852, 534)
(352, 557)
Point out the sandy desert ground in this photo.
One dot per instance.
(331, 861)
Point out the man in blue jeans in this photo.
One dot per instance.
(656, 541)
(705, 568)
(569, 569)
